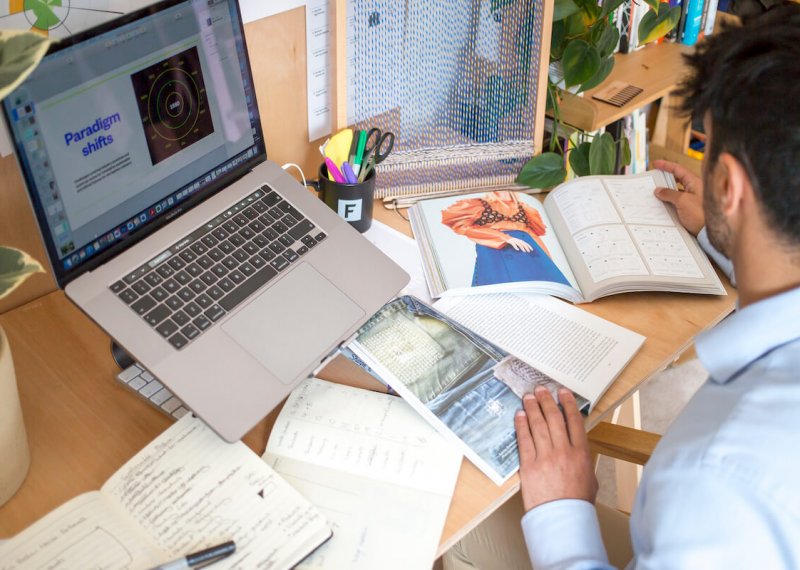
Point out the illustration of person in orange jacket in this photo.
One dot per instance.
(507, 235)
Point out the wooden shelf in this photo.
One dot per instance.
(658, 151)
(656, 68)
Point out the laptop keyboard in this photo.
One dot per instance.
(207, 273)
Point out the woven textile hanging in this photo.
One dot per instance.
(455, 80)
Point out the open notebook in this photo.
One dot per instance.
(187, 490)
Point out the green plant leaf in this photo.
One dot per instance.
(605, 69)
(557, 38)
(576, 25)
(608, 41)
(609, 6)
(624, 151)
(543, 171)
(579, 159)
(656, 24)
(589, 9)
(563, 9)
(653, 4)
(596, 31)
(581, 61)
(15, 267)
(602, 155)
(20, 53)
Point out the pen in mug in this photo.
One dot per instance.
(349, 175)
(333, 171)
(200, 558)
(354, 147)
(362, 142)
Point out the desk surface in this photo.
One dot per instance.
(83, 425)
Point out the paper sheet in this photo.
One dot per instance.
(379, 473)
(405, 253)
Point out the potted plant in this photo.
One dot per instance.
(20, 52)
(581, 57)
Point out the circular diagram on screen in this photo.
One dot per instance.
(173, 104)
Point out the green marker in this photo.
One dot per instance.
(362, 142)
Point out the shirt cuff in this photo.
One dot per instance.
(723, 262)
(564, 533)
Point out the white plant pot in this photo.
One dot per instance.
(14, 454)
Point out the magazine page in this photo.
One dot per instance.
(620, 237)
(499, 241)
(447, 373)
(581, 351)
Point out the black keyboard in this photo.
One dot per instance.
(207, 273)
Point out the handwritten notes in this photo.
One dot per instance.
(380, 474)
(185, 491)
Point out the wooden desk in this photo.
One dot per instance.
(83, 425)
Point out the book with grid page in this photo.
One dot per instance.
(591, 237)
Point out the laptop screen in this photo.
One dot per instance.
(122, 127)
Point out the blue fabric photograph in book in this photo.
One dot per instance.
(434, 362)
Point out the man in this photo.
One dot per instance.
(722, 488)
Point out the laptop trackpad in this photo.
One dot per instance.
(294, 322)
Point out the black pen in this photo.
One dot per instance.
(200, 558)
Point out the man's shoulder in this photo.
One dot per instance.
(747, 426)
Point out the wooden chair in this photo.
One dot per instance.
(621, 442)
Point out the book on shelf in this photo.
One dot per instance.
(591, 237)
(185, 491)
(379, 473)
(465, 363)
(692, 24)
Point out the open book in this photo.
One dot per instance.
(593, 236)
(187, 490)
(469, 388)
(378, 472)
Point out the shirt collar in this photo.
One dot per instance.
(749, 333)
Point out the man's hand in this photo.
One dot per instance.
(554, 459)
(519, 245)
(688, 202)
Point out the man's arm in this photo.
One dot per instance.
(558, 485)
(688, 204)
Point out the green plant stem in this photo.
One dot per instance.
(554, 141)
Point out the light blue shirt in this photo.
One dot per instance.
(722, 489)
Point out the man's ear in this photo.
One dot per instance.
(734, 184)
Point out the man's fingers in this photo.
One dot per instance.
(537, 424)
(681, 173)
(668, 195)
(575, 425)
(552, 415)
(527, 451)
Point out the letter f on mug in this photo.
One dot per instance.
(350, 210)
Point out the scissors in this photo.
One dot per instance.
(375, 152)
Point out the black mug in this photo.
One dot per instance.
(353, 202)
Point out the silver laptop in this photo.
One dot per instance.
(141, 148)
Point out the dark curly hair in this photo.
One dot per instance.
(747, 80)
